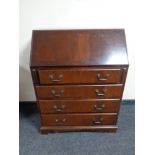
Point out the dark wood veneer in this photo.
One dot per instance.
(79, 106)
(78, 47)
(79, 78)
(99, 128)
(79, 119)
(79, 91)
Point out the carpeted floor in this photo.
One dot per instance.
(78, 143)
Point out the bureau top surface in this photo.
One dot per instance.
(78, 48)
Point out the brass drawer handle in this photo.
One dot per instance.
(99, 107)
(58, 108)
(100, 93)
(51, 76)
(60, 121)
(102, 77)
(98, 121)
(57, 93)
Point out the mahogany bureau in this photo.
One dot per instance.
(79, 78)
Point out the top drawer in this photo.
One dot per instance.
(63, 76)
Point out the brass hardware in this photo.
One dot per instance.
(99, 107)
(57, 93)
(98, 121)
(60, 76)
(102, 77)
(58, 108)
(100, 93)
(60, 121)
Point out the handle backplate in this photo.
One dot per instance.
(99, 107)
(97, 121)
(57, 93)
(59, 77)
(102, 77)
(60, 121)
(58, 108)
(100, 92)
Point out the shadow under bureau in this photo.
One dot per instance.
(79, 78)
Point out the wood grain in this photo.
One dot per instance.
(80, 76)
(79, 106)
(100, 128)
(79, 119)
(79, 91)
(78, 47)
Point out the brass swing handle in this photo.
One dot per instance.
(100, 93)
(60, 121)
(60, 76)
(102, 77)
(99, 107)
(58, 108)
(98, 121)
(57, 93)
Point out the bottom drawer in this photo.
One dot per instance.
(79, 119)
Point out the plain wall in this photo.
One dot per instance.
(73, 14)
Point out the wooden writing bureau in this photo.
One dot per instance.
(79, 77)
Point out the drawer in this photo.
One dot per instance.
(79, 106)
(79, 119)
(79, 91)
(80, 76)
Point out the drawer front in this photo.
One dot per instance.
(79, 91)
(79, 119)
(79, 106)
(80, 76)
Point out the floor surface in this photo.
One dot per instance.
(78, 143)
